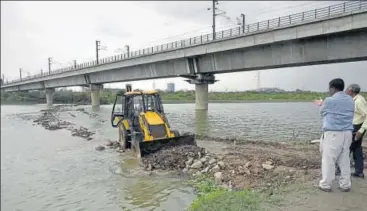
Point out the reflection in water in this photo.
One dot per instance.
(96, 108)
(201, 120)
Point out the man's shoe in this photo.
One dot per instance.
(344, 189)
(325, 189)
(359, 175)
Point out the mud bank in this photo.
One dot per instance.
(259, 165)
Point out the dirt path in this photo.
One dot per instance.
(301, 194)
(309, 198)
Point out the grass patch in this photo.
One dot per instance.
(213, 197)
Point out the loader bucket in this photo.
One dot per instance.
(146, 148)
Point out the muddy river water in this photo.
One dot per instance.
(52, 170)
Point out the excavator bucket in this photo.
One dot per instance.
(145, 148)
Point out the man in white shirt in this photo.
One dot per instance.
(360, 127)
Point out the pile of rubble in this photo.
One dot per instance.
(49, 120)
(242, 167)
(82, 132)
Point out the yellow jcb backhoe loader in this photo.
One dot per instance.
(142, 124)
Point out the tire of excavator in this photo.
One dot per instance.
(125, 139)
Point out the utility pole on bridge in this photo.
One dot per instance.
(49, 65)
(97, 50)
(20, 73)
(243, 23)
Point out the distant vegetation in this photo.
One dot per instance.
(108, 96)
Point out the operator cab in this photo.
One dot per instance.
(133, 104)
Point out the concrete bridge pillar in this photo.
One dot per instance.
(201, 96)
(95, 90)
(50, 92)
(201, 82)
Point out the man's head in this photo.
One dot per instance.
(336, 85)
(353, 90)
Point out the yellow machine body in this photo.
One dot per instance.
(148, 123)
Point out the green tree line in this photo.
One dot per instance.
(108, 96)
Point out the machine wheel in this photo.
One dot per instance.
(124, 138)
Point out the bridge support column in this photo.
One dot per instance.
(50, 92)
(201, 82)
(201, 96)
(95, 90)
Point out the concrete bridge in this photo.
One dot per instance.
(332, 34)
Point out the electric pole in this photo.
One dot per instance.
(49, 65)
(127, 47)
(20, 73)
(243, 23)
(258, 80)
(97, 50)
(213, 8)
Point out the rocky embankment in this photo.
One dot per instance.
(243, 165)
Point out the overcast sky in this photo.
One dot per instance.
(33, 31)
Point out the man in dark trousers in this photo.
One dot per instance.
(360, 128)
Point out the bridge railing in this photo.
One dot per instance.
(293, 19)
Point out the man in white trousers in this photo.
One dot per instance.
(337, 116)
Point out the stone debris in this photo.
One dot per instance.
(100, 148)
(49, 119)
(267, 166)
(218, 177)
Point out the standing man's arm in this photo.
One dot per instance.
(324, 108)
(362, 107)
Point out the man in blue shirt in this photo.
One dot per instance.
(337, 123)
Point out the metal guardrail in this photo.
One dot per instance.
(270, 24)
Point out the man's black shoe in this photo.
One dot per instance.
(360, 175)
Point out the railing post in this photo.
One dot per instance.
(328, 12)
(344, 7)
(360, 4)
(222, 34)
(303, 16)
(290, 19)
(258, 26)
(230, 32)
(278, 21)
(315, 13)
(190, 41)
(207, 37)
(268, 23)
(248, 28)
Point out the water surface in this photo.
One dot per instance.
(51, 170)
